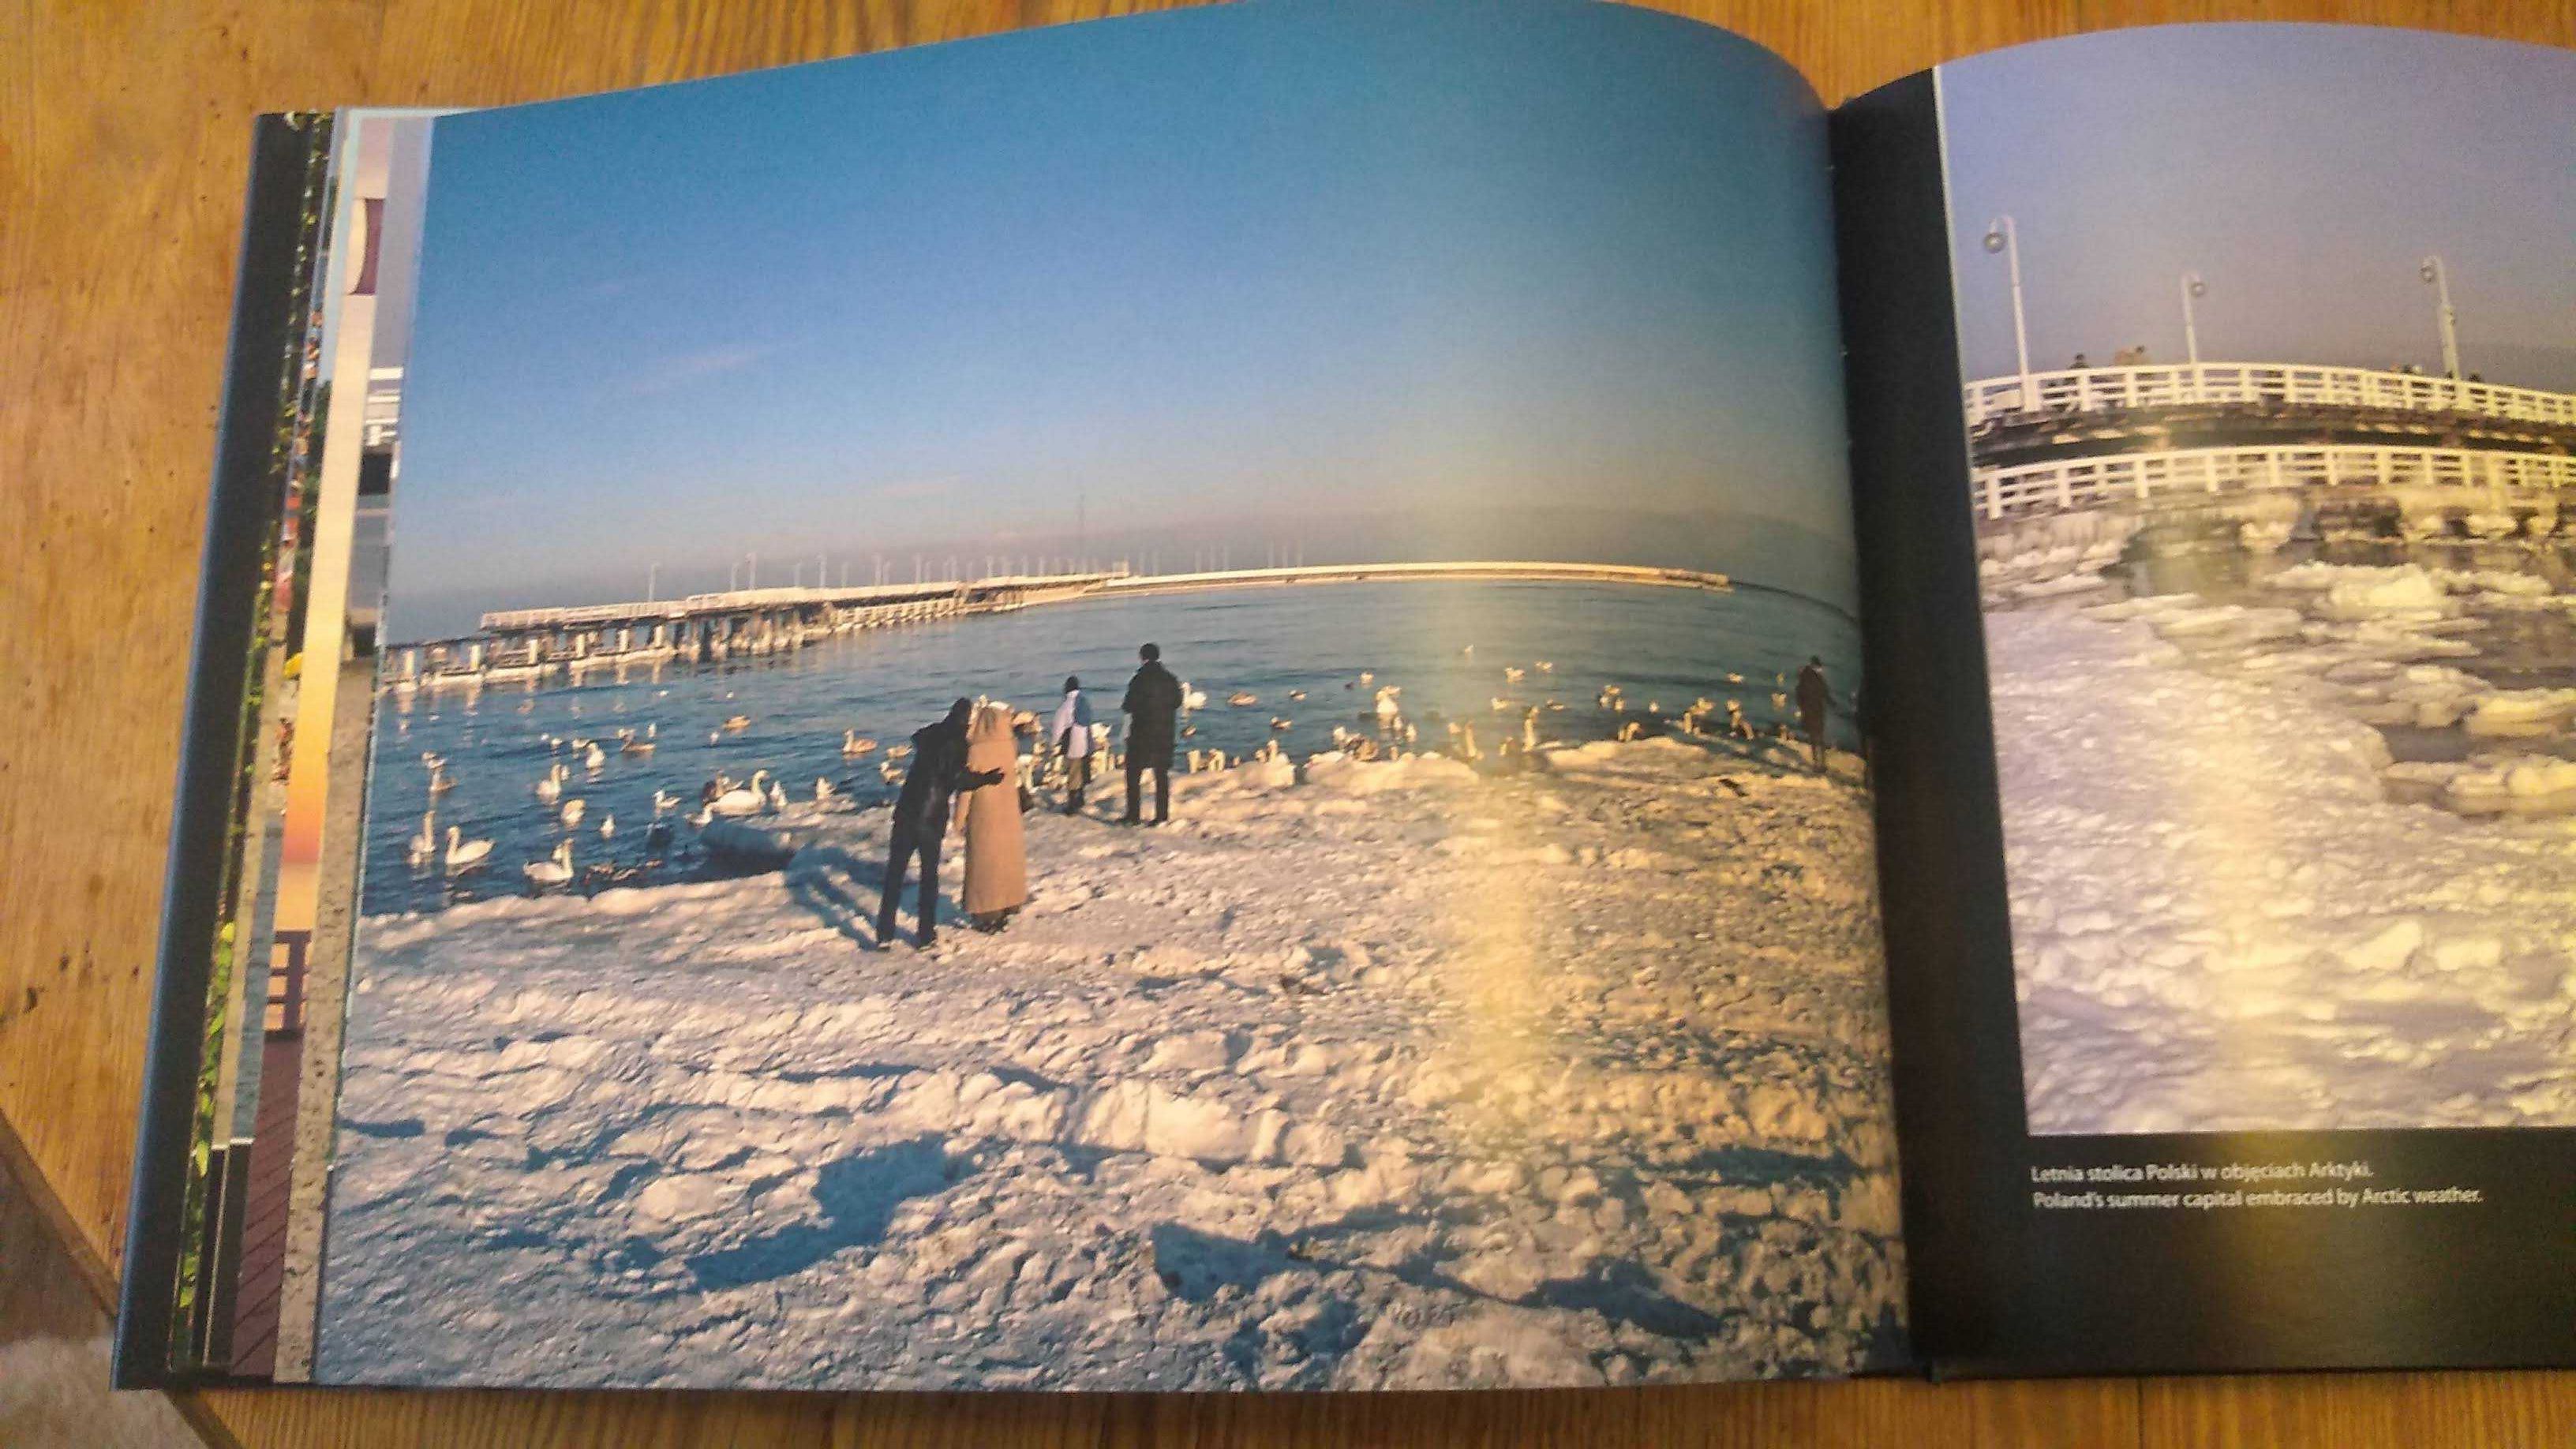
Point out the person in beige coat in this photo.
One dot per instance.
(997, 867)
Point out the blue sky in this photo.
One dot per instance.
(2303, 171)
(1261, 272)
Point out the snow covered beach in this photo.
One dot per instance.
(2232, 911)
(1389, 1076)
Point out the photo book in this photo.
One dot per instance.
(1320, 695)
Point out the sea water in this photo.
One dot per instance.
(1445, 644)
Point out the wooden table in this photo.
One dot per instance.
(123, 140)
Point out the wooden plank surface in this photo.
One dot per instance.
(123, 143)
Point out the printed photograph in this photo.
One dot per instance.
(1167, 705)
(2271, 341)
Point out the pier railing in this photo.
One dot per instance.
(2127, 477)
(2102, 389)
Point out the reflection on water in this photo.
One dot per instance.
(1447, 645)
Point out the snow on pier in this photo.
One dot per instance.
(1390, 1076)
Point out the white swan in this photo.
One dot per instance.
(665, 802)
(741, 799)
(777, 796)
(607, 826)
(853, 745)
(573, 810)
(553, 871)
(1192, 698)
(462, 854)
(594, 759)
(823, 789)
(422, 847)
(550, 789)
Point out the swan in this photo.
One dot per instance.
(462, 854)
(594, 759)
(741, 799)
(897, 752)
(853, 745)
(607, 826)
(1277, 723)
(1367, 678)
(664, 802)
(550, 789)
(777, 796)
(737, 722)
(433, 761)
(1544, 666)
(1499, 703)
(1514, 674)
(573, 810)
(822, 789)
(888, 773)
(1191, 697)
(1296, 694)
(423, 846)
(553, 871)
(439, 784)
(634, 744)
(1242, 697)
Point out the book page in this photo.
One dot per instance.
(1164, 705)
(2266, 339)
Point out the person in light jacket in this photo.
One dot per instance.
(1071, 731)
(997, 866)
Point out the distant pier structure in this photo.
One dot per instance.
(535, 645)
(2086, 438)
(531, 646)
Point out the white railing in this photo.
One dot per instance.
(2124, 477)
(2102, 389)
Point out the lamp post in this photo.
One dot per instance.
(2000, 237)
(2192, 286)
(2433, 272)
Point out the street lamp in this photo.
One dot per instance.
(2433, 272)
(2192, 286)
(2000, 237)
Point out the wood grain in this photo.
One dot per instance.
(123, 144)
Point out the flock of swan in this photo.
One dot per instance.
(724, 798)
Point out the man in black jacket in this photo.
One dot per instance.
(921, 815)
(1813, 698)
(1153, 697)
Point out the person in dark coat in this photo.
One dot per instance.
(1153, 698)
(1813, 697)
(921, 815)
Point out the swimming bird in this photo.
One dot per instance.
(439, 783)
(462, 854)
(737, 722)
(420, 848)
(550, 789)
(664, 802)
(714, 735)
(887, 772)
(822, 789)
(741, 799)
(631, 743)
(433, 761)
(897, 751)
(853, 745)
(1241, 698)
(553, 871)
(1544, 666)
(594, 759)
(1277, 723)
(1191, 697)
(1499, 703)
(573, 810)
(607, 826)
(1735, 679)
(1514, 674)
(777, 796)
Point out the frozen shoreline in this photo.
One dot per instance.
(1393, 1078)
(2228, 917)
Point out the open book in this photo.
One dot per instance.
(1387, 695)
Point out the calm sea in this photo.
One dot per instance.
(1661, 646)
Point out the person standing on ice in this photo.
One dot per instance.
(1071, 731)
(997, 863)
(921, 816)
(1153, 699)
(1813, 697)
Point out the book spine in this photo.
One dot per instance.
(267, 326)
